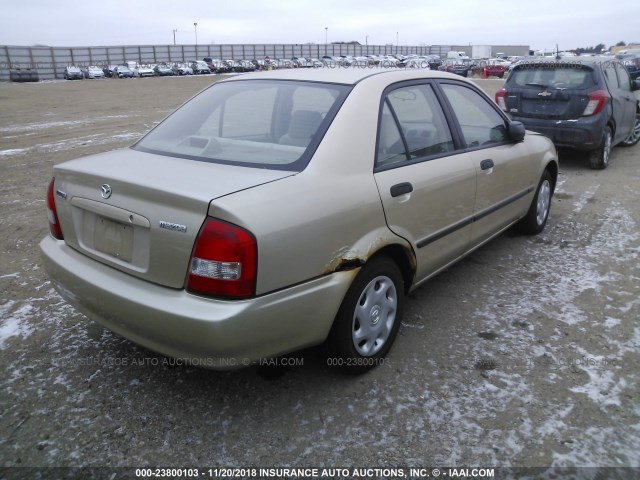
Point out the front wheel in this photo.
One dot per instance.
(599, 158)
(369, 317)
(536, 218)
(634, 136)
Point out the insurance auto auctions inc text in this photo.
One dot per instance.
(370, 473)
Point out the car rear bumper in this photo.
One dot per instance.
(583, 133)
(201, 331)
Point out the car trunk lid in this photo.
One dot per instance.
(140, 212)
(541, 91)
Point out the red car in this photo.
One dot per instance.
(492, 69)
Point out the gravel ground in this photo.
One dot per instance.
(525, 354)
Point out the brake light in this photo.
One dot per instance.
(501, 99)
(52, 213)
(223, 262)
(597, 101)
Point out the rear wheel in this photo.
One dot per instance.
(536, 218)
(369, 317)
(599, 158)
(634, 137)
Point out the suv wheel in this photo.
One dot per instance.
(634, 137)
(599, 158)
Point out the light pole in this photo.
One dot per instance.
(174, 35)
(366, 40)
(326, 35)
(195, 29)
(397, 42)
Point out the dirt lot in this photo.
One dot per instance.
(524, 354)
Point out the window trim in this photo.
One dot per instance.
(447, 118)
(489, 102)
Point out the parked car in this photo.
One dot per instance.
(584, 103)
(307, 221)
(182, 69)
(122, 71)
(455, 66)
(71, 72)
(145, 71)
(631, 60)
(163, 70)
(109, 71)
(199, 67)
(93, 72)
(216, 65)
(489, 68)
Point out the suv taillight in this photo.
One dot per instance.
(223, 262)
(52, 213)
(597, 100)
(501, 99)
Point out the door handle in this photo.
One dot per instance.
(401, 189)
(486, 164)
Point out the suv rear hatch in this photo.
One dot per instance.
(553, 91)
(141, 213)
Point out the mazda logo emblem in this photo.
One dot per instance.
(105, 191)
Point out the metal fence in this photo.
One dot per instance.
(50, 62)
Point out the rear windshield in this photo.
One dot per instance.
(571, 76)
(272, 124)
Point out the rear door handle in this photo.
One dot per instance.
(401, 189)
(486, 164)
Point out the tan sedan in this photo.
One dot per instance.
(283, 209)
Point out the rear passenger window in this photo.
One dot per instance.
(412, 126)
(612, 77)
(479, 121)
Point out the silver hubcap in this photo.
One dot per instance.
(544, 199)
(374, 316)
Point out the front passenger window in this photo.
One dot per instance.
(481, 124)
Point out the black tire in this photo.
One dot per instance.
(377, 296)
(634, 137)
(599, 158)
(536, 218)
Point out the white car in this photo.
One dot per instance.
(145, 71)
(93, 72)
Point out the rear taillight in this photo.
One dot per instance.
(501, 99)
(52, 214)
(223, 262)
(597, 101)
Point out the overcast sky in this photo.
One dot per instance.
(537, 23)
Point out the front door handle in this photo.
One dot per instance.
(401, 189)
(486, 164)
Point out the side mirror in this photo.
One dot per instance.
(635, 85)
(516, 131)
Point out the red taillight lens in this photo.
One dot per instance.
(52, 214)
(597, 101)
(223, 262)
(501, 99)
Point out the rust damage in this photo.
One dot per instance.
(347, 258)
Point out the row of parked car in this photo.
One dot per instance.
(208, 65)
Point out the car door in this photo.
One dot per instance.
(504, 168)
(629, 102)
(427, 185)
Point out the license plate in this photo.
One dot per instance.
(113, 238)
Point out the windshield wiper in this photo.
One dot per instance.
(535, 84)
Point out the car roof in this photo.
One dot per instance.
(346, 76)
(568, 60)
